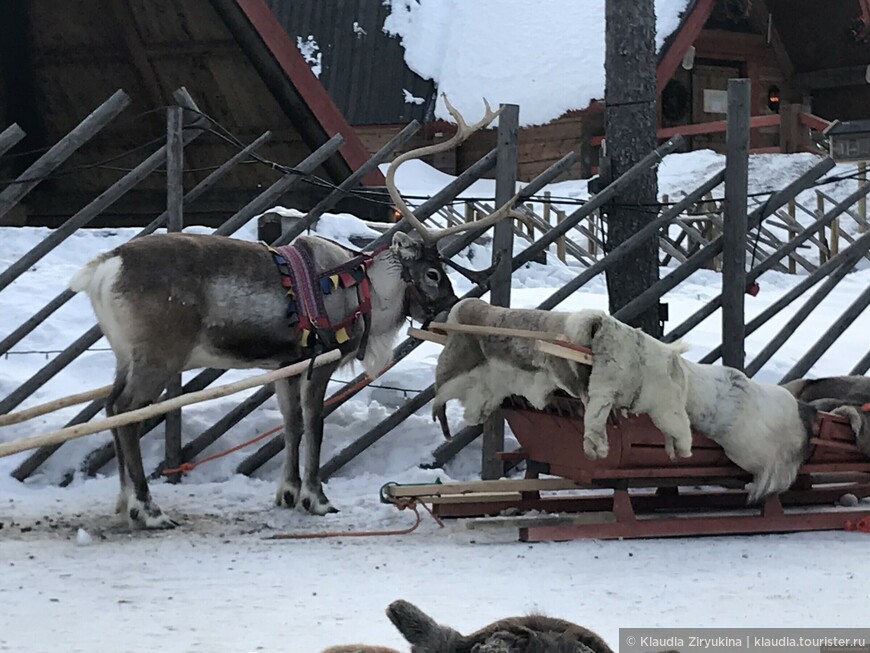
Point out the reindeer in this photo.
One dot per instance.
(529, 634)
(173, 302)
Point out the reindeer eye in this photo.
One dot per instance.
(433, 275)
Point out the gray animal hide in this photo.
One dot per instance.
(841, 395)
(762, 427)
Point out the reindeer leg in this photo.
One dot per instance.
(144, 383)
(288, 392)
(674, 424)
(312, 497)
(595, 423)
(124, 494)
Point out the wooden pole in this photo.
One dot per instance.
(862, 203)
(820, 211)
(792, 264)
(81, 430)
(62, 150)
(10, 137)
(175, 223)
(500, 282)
(560, 243)
(735, 224)
(630, 125)
(51, 406)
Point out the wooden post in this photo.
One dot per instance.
(175, 223)
(630, 125)
(862, 203)
(500, 284)
(62, 150)
(560, 243)
(735, 223)
(835, 237)
(792, 264)
(820, 211)
(469, 211)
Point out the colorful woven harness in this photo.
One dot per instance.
(305, 290)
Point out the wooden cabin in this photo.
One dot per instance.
(808, 61)
(60, 59)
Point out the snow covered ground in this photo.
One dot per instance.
(215, 585)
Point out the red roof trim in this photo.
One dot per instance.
(686, 35)
(306, 83)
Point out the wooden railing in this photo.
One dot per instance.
(781, 120)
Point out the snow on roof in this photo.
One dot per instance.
(547, 56)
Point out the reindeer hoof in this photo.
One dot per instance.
(148, 516)
(287, 495)
(315, 502)
(595, 446)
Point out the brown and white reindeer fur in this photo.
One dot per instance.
(528, 634)
(761, 426)
(174, 302)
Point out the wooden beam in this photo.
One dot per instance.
(562, 351)
(125, 23)
(80, 430)
(813, 121)
(481, 330)
(765, 19)
(686, 35)
(712, 127)
(831, 77)
(423, 334)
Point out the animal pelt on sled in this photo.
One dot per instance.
(840, 395)
(762, 427)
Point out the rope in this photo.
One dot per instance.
(185, 468)
(382, 533)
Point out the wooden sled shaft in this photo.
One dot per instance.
(80, 430)
(56, 404)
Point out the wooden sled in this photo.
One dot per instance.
(637, 491)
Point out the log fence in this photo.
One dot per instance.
(692, 231)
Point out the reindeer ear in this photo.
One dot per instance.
(406, 247)
(416, 626)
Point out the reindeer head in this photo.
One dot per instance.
(421, 631)
(427, 273)
(429, 288)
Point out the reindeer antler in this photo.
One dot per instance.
(463, 131)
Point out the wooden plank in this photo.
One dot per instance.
(477, 497)
(540, 521)
(481, 330)
(72, 432)
(556, 349)
(477, 487)
(429, 336)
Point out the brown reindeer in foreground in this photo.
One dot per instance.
(173, 302)
(530, 634)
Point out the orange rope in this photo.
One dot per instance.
(400, 531)
(185, 468)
